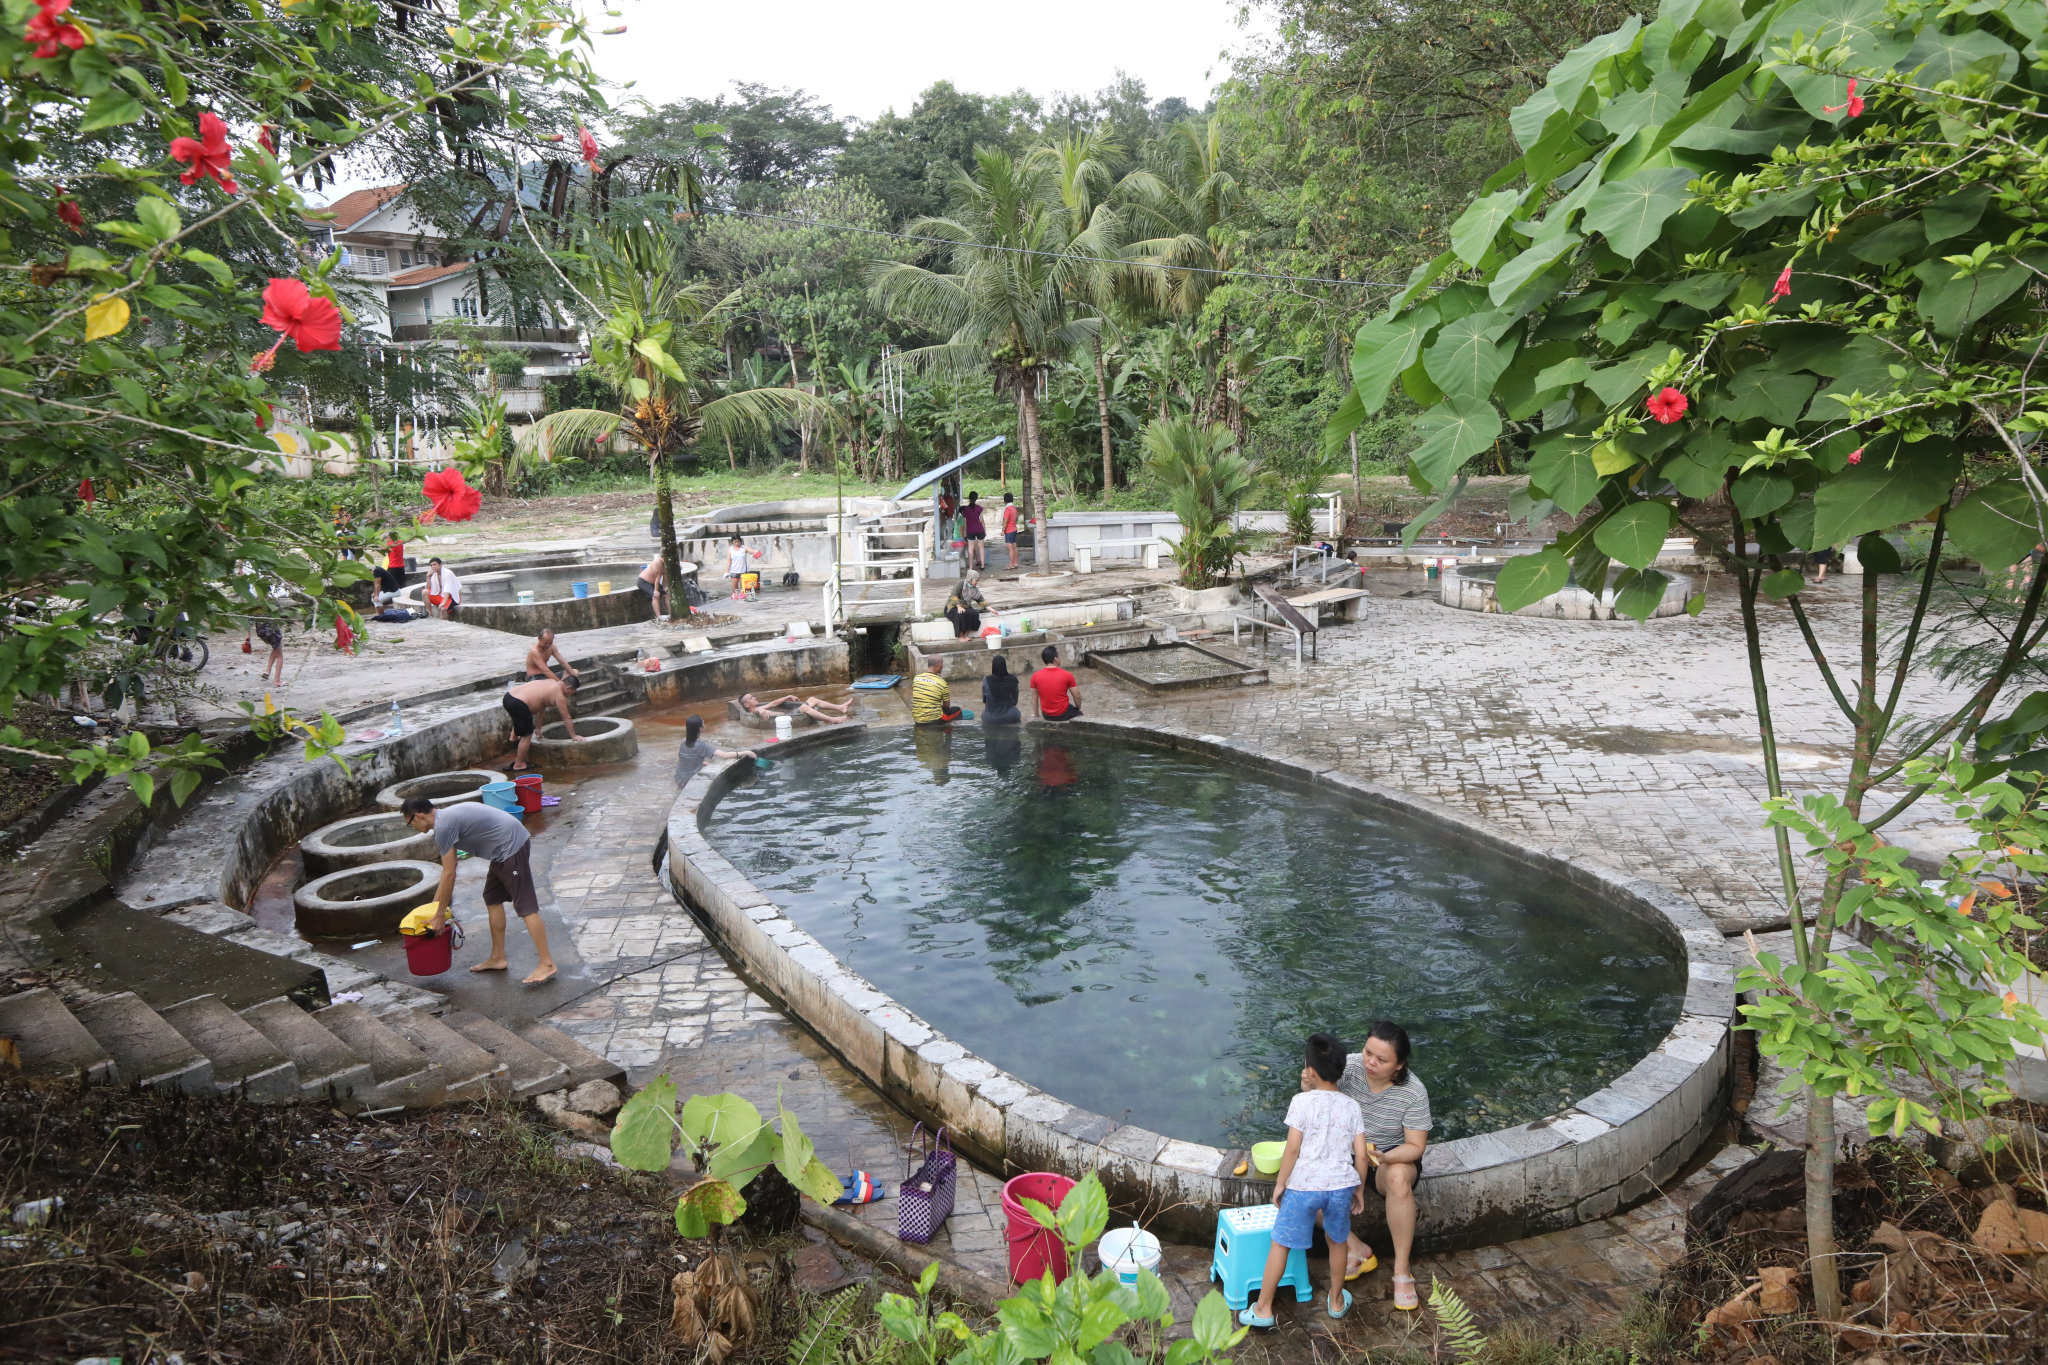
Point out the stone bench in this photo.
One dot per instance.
(1084, 555)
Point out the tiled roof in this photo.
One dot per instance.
(427, 274)
(357, 205)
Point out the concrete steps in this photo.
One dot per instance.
(274, 1052)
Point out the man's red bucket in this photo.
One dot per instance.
(432, 954)
(527, 789)
(1033, 1249)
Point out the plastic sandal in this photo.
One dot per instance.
(1404, 1294)
(1246, 1319)
(1364, 1267)
(1340, 1312)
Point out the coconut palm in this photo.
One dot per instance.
(1005, 302)
(1206, 477)
(660, 345)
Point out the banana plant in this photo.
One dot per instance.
(728, 1140)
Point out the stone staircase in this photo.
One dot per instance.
(604, 692)
(276, 1052)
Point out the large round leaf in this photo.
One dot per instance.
(1882, 493)
(643, 1138)
(1635, 534)
(1631, 214)
(1530, 578)
(1453, 432)
(707, 1203)
(723, 1118)
(1467, 355)
(1997, 525)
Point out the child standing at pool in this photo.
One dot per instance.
(736, 567)
(1322, 1171)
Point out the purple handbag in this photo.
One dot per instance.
(926, 1196)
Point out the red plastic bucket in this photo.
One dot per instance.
(432, 954)
(527, 789)
(1034, 1249)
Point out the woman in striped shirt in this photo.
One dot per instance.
(1395, 1103)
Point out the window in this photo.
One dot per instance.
(405, 259)
(427, 303)
(366, 260)
(465, 307)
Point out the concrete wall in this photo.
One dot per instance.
(749, 668)
(1569, 603)
(1609, 1150)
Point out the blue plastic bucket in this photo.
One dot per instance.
(502, 796)
(579, 590)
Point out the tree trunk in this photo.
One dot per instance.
(1357, 487)
(1034, 470)
(1102, 414)
(664, 508)
(732, 461)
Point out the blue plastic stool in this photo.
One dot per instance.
(1243, 1237)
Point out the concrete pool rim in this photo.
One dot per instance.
(1609, 1150)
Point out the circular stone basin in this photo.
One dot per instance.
(1472, 588)
(361, 902)
(599, 739)
(380, 838)
(549, 583)
(444, 789)
(1150, 934)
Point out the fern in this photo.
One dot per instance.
(822, 1335)
(1468, 1343)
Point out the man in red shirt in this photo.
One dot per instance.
(1010, 527)
(1059, 697)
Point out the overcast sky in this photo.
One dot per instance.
(864, 59)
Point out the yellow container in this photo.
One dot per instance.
(604, 585)
(1266, 1156)
(420, 918)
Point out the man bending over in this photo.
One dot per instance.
(522, 702)
(482, 832)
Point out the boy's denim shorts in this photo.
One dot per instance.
(1295, 1228)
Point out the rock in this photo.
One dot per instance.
(512, 1262)
(582, 1125)
(818, 1271)
(600, 1153)
(2006, 1231)
(599, 1098)
(1780, 1290)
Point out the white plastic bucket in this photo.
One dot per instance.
(1127, 1251)
(785, 726)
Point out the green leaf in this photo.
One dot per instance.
(143, 785)
(1631, 214)
(1517, 390)
(1084, 1211)
(720, 1118)
(1696, 603)
(1938, 56)
(797, 1149)
(1643, 595)
(643, 1137)
(1635, 534)
(708, 1203)
(1955, 214)
(1383, 348)
(1700, 291)
(1764, 391)
(1890, 242)
(818, 1181)
(1660, 100)
(1759, 493)
(1880, 494)
(1099, 1321)
(1527, 120)
(1565, 474)
(742, 1156)
(1572, 371)
(111, 109)
(1569, 78)
(1466, 358)
(1530, 578)
(1619, 382)
(1997, 525)
(157, 217)
(1472, 235)
(1951, 300)
(1783, 584)
(1212, 1327)
(1530, 264)
(1452, 433)
(1878, 555)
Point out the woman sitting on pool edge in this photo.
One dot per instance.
(825, 712)
(1397, 1122)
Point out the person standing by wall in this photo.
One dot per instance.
(1010, 526)
(482, 832)
(736, 568)
(653, 581)
(974, 532)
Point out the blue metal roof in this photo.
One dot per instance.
(932, 475)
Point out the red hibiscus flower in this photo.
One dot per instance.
(1854, 104)
(589, 146)
(1856, 455)
(1784, 285)
(453, 498)
(1667, 405)
(208, 155)
(69, 216)
(313, 324)
(266, 138)
(85, 491)
(48, 33)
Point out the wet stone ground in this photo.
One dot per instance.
(1633, 744)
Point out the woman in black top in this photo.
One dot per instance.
(999, 695)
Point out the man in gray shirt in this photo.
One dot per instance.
(476, 829)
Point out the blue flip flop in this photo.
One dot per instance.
(1246, 1319)
(1346, 1308)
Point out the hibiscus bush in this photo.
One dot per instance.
(155, 281)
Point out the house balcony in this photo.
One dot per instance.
(550, 336)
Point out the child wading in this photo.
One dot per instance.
(1321, 1172)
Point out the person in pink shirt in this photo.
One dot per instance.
(1010, 527)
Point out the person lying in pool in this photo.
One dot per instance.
(1395, 1103)
(818, 709)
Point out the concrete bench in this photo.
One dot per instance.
(1343, 603)
(1084, 555)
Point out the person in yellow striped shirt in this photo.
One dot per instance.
(931, 699)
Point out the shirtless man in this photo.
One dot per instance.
(825, 712)
(523, 702)
(540, 651)
(653, 581)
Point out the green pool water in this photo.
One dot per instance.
(1152, 934)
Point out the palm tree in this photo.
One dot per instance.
(660, 346)
(1206, 477)
(1081, 166)
(1005, 303)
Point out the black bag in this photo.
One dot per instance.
(792, 579)
(692, 594)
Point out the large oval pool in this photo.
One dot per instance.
(1151, 934)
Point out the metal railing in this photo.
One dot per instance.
(415, 331)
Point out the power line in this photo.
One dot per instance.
(1058, 255)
